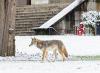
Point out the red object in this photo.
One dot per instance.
(80, 30)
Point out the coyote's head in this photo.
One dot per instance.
(36, 42)
(33, 41)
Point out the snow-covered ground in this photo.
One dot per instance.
(27, 59)
(53, 67)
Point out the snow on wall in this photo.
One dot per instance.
(39, 2)
(75, 45)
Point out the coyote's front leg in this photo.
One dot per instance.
(44, 54)
(55, 54)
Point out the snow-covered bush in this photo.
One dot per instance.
(90, 17)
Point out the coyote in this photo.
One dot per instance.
(52, 44)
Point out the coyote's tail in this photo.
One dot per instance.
(65, 52)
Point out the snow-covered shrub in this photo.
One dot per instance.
(90, 17)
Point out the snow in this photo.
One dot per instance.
(61, 14)
(52, 67)
(39, 2)
(89, 22)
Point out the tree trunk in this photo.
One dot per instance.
(8, 25)
(2, 16)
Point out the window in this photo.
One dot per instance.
(39, 1)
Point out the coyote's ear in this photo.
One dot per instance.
(31, 38)
(34, 38)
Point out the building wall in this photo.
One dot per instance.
(93, 5)
(21, 2)
(97, 5)
(49, 1)
(24, 2)
(60, 1)
(60, 27)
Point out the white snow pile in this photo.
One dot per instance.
(90, 17)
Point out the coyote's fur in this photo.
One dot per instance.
(52, 44)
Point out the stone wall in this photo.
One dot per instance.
(60, 1)
(25, 2)
(93, 5)
(21, 2)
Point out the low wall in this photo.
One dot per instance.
(76, 45)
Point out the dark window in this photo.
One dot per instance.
(28, 2)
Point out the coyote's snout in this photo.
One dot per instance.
(52, 44)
